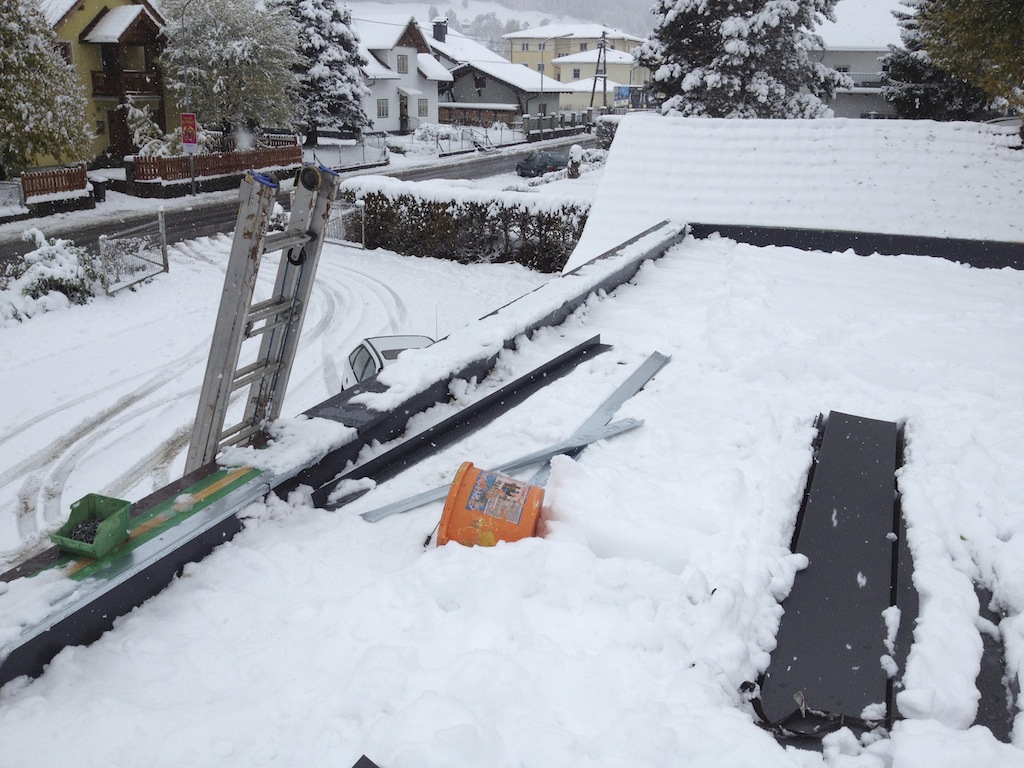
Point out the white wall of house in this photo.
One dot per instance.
(864, 67)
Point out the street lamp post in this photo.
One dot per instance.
(188, 103)
(541, 69)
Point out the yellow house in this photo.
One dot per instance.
(113, 46)
(545, 49)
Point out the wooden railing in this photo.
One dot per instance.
(53, 181)
(216, 164)
(106, 83)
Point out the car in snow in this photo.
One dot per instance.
(539, 163)
(372, 354)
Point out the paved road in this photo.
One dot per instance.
(216, 212)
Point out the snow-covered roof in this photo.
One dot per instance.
(591, 57)
(857, 175)
(518, 76)
(494, 105)
(115, 23)
(373, 69)
(55, 10)
(432, 69)
(584, 31)
(460, 48)
(381, 33)
(862, 25)
(586, 85)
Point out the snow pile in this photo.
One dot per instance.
(960, 180)
(294, 443)
(53, 276)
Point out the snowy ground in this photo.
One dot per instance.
(623, 635)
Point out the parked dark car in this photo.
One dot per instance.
(539, 163)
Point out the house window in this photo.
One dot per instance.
(583, 47)
(575, 74)
(540, 67)
(403, 64)
(541, 46)
(524, 46)
(843, 69)
(64, 49)
(382, 107)
(421, 108)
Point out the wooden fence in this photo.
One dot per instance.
(53, 181)
(215, 164)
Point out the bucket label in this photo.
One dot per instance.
(497, 495)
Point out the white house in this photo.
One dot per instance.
(403, 76)
(854, 44)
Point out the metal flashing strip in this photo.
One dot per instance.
(826, 664)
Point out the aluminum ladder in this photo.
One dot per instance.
(276, 322)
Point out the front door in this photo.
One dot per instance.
(120, 144)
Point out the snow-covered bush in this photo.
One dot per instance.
(152, 142)
(432, 132)
(55, 275)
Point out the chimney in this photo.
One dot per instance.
(440, 29)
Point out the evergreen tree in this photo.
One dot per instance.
(240, 55)
(42, 111)
(920, 90)
(740, 58)
(331, 89)
(981, 41)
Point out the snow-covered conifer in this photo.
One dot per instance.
(740, 58)
(920, 90)
(331, 89)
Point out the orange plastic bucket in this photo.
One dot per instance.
(484, 508)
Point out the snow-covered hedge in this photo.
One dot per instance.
(467, 225)
(605, 131)
(53, 276)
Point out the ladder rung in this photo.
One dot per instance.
(279, 241)
(250, 373)
(238, 433)
(250, 332)
(284, 310)
(269, 308)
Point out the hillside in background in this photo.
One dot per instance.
(633, 16)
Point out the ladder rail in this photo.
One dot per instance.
(277, 321)
(256, 197)
(295, 278)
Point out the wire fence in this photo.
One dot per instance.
(345, 226)
(133, 255)
(10, 194)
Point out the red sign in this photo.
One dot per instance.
(189, 132)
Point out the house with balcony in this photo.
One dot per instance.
(603, 78)
(113, 46)
(855, 44)
(401, 72)
(570, 52)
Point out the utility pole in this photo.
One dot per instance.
(599, 71)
